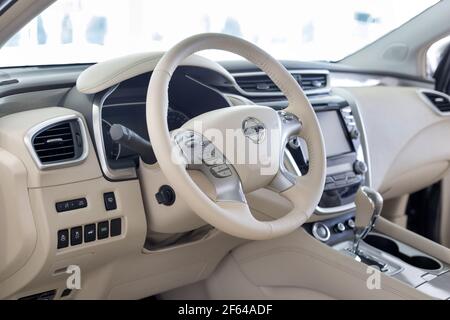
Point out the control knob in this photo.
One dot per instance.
(340, 227)
(360, 167)
(354, 134)
(321, 232)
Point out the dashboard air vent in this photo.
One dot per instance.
(59, 143)
(263, 84)
(439, 101)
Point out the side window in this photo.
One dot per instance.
(434, 55)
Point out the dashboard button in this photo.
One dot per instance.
(62, 206)
(340, 177)
(354, 134)
(360, 167)
(340, 227)
(63, 239)
(76, 236)
(110, 201)
(166, 196)
(341, 183)
(90, 233)
(351, 175)
(103, 230)
(116, 227)
(80, 203)
(71, 205)
(351, 224)
(321, 232)
(329, 186)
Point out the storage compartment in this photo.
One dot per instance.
(391, 247)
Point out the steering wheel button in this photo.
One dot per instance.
(224, 174)
(213, 161)
(220, 168)
(221, 171)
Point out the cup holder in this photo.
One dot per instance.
(389, 246)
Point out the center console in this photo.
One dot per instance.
(354, 236)
(400, 261)
(346, 166)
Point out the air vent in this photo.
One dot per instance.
(439, 101)
(312, 81)
(60, 143)
(261, 83)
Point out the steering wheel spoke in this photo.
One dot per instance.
(202, 155)
(291, 126)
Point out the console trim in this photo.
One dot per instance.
(113, 174)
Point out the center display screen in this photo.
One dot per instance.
(336, 142)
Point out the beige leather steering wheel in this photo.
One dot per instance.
(265, 132)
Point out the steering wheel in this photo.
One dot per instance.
(208, 144)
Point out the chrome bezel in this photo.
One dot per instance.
(51, 122)
(316, 235)
(113, 174)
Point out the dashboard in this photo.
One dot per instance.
(125, 105)
(194, 91)
(167, 247)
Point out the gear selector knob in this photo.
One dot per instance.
(369, 204)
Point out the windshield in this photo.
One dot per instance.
(88, 31)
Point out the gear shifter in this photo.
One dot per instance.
(369, 204)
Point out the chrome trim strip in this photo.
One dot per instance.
(364, 152)
(43, 125)
(335, 210)
(113, 174)
(136, 103)
(325, 90)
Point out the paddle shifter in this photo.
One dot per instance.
(369, 204)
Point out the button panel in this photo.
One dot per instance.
(103, 230)
(342, 180)
(63, 239)
(89, 233)
(76, 236)
(71, 205)
(110, 201)
(333, 230)
(116, 227)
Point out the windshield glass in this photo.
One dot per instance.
(88, 31)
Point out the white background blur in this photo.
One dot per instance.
(79, 31)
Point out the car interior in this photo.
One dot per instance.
(104, 167)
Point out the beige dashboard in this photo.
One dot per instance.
(405, 146)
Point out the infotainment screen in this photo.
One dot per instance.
(336, 142)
